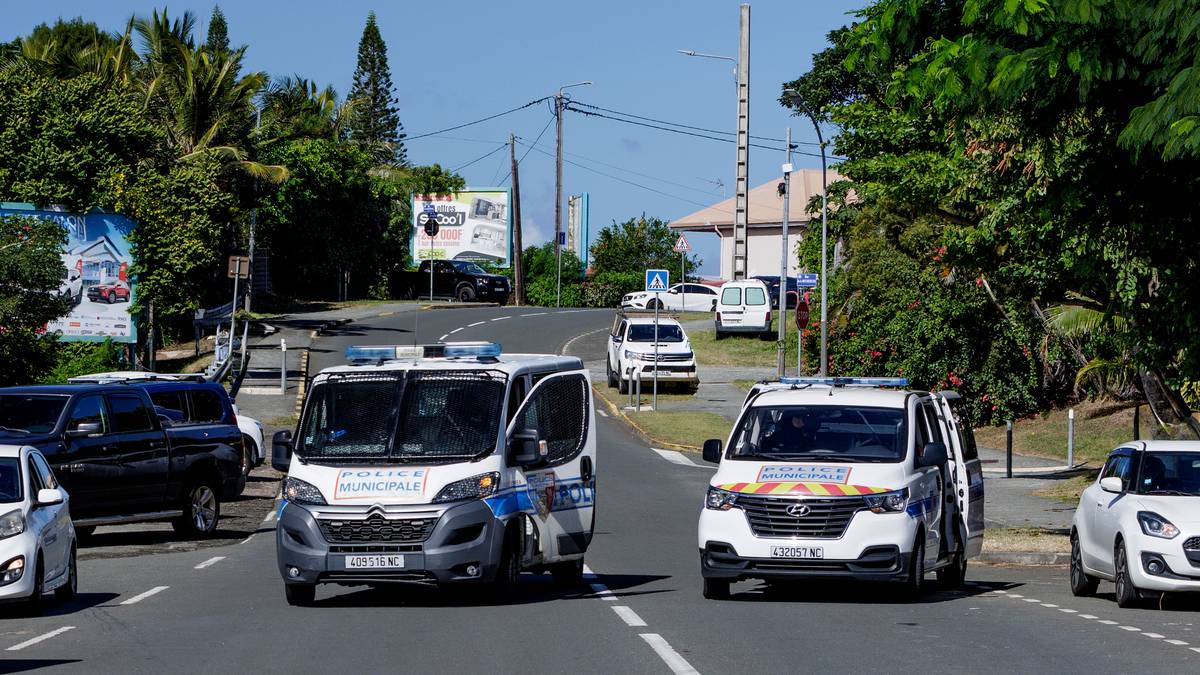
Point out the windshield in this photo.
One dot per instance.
(1170, 473)
(644, 332)
(30, 413)
(468, 267)
(10, 480)
(419, 416)
(828, 433)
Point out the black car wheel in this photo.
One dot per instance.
(612, 376)
(504, 585)
(1128, 595)
(466, 293)
(36, 602)
(201, 511)
(249, 453)
(69, 590)
(1082, 583)
(716, 589)
(567, 574)
(914, 586)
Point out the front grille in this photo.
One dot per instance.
(674, 357)
(1192, 544)
(827, 518)
(376, 529)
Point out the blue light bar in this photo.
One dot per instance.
(450, 350)
(357, 354)
(478, 350)
(848, 381)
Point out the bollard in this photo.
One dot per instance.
(282, 366)
(629, 374)
(1008, 451)
(1071, 437)
(638, 380)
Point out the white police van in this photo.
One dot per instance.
(842, 478)
(438, 464)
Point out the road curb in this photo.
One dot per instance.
(620, 413)
(1025, 558)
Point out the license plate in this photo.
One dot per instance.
(811, 552)
(374, 562)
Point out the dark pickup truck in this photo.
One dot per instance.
(119, 461)
(459, 279)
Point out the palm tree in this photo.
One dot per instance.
(293, 107)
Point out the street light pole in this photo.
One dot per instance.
(558, 161)
(780, 361)
(824, 254)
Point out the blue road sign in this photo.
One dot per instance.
(657, 281)
(429, 208)
(562, 238)
(806, 280)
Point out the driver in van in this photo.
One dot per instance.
(796, 430)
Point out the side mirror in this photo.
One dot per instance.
(281, 451)
(933, 454)
(527, 448)
(165, 422)
(712, 450)
(85, 429)
(49, 497)
(1112, 484)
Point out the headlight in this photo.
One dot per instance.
(13, 569)
(12, 524)
(1156, 526)
(302, 492)
(888, 502)
(638, 356)
(482, 282)
(475, 487)
(720, 500)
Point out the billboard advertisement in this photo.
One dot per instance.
(95, 273)
(577, 227)
(474, 224)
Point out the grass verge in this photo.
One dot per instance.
(1025, 540)
(680, 429)
(747, 351)
(1067, 490)
(1045, 435)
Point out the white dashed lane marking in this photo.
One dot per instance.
(679, 458)
(41, 638)
(602, 413)
(629, 616)
(477, 323)
(142, 596)
(454, 331)
(501, 318)
(1105, 622)
(674, 661)
(210, 562)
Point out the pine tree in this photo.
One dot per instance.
(218, 31)
(376, 121)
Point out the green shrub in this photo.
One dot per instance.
(84, 358)
(543, 291)
(606, 288)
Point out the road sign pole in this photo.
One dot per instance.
(654, 402)
(683, 282)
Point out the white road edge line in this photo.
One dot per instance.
(1156, 636)
(501, 318)
(629, 616)
(443, 337)
(454, 331)
(1107, 622)
(45, 636)
(142, 596)
(1177, 643)
(674, 661)
(1068, 611)
(209, 563)
(247, 539)
(1131, 629)
(477, 323)
(679, 458)
(536, 314)
(1088, 616)
(1195, 649)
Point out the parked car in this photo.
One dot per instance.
(459, 279)
(680, 297)
(37, 539)
(109, 293)
(743, 308)
(187, 398)
(632, 345)
(792, 290)
(120, 461)
(1138, 525)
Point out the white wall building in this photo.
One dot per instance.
(765, 213)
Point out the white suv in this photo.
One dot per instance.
(838, 478)
(632, 349)
(1138, 525)
(37, 538)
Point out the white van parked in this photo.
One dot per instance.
(743, 307)
(438, 464)
(841, 478)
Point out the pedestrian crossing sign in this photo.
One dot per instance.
(657, 281)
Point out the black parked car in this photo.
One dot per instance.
(121, 462)
(462, 280)
(773, 287)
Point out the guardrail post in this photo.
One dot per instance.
(1071, 437)
(1008, 449)
(282, 366)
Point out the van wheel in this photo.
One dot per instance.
(69, 590)
(612, 376)
(953, 575)
(567, 574)
(716, 589)
(201, 511)
(504, 586)
(1128, 595)
(914, 586)
(1082, 583)
(719, 334)
(300, 595)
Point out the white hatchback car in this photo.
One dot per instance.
(1138, 525)
(37, 538)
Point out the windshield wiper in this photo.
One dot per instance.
(15, 431)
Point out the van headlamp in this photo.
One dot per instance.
(719, 500)
(888, 502)
(302, 492)
(476, 487)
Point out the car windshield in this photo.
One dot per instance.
(468, 267)
(10, 480)
(826, 433)
(644, 332)
(414, 417)
(1170, 473)
(30, 413)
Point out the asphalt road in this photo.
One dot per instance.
(221, 610)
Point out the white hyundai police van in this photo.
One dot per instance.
(842, 478)
(438, 464)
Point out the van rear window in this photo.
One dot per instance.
(755, 296)
(731, 296)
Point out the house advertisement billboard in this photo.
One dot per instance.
(473, 224)
(95, 273)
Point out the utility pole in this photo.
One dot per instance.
(741, 205)
(824, 256)
(558, 122)
(780, 366)
(518, 270)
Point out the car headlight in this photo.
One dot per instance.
(632, 355)
(483, 282)
(12, 523)
(475, 487)
(12, 570)
(888, 502)
(302, 492)
(1157, 526)
(720, 500)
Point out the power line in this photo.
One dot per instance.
(479, 159)
(478, 121)
(703, 191)
(694, 128)
(539, 137)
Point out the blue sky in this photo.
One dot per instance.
(454, 62)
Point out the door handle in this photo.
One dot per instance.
(109, 448)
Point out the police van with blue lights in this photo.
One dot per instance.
(842, 478)
(438, 464)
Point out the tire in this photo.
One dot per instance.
(504, 586)
(110, 298)
(300, 595)
(914, 586)
(654, 304)
(69, 590)
(201, 511)
(951, 577)
(465, 293)
(719, 334)
(568, 574)
(36, 603)
(716, 589)
(249, 455)
(1127, 594)
(622, 386)
(612, 377)
(1082, 584)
